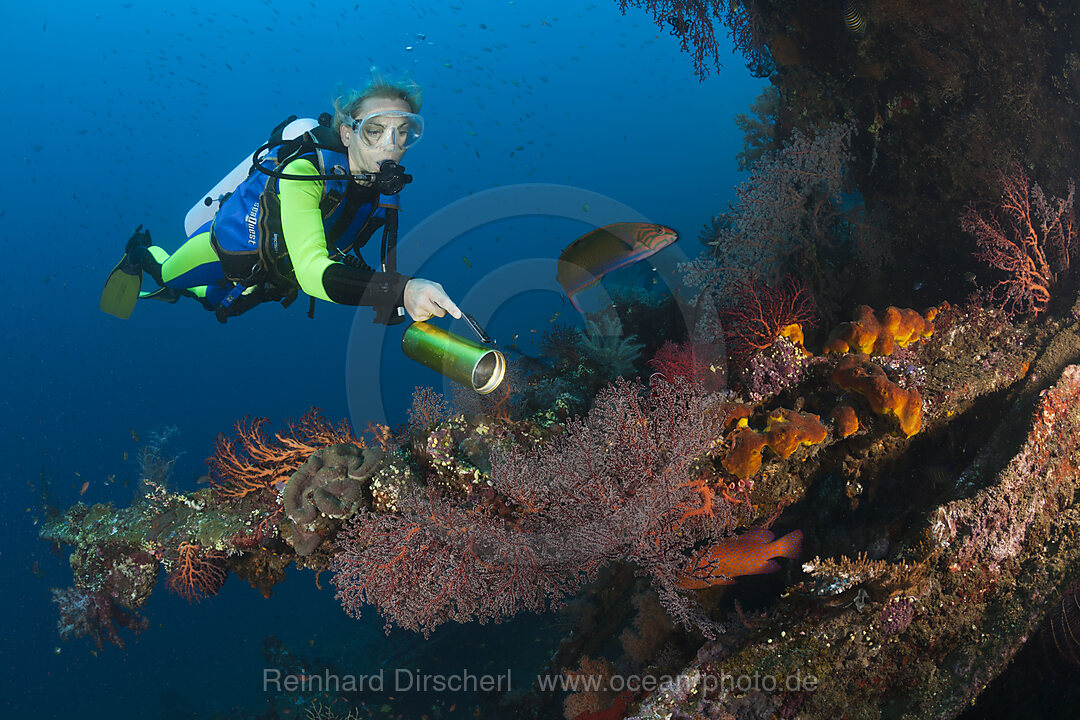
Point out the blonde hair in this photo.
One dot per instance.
(379, 86)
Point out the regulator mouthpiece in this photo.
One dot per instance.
(391, 178)
(465, 362)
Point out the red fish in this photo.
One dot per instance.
(748, 554)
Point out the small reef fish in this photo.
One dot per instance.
(853, 18)
(84, 488)
(608, 248)
(748, 554)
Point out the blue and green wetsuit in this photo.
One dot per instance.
(273, 237)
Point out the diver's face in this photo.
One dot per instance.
(369, 146)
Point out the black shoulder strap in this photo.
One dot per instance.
(283, 148)
(320, 136)
(388, 251)
(389, 314)
(327, 138)
(275, 134)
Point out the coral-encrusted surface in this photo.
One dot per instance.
(921, 637)
(929, 556)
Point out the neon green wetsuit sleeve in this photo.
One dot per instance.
(301, 223)
(305, 240)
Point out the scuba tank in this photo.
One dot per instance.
(203, 212)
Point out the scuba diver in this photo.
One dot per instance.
(312, 197)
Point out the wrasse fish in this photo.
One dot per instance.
(608, 248)
(748, 554)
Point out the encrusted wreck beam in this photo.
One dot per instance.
(876, 639)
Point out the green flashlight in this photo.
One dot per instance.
(463, 361)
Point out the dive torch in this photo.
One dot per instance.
(474, 365)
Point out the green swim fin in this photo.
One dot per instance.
(168, 294)
(122, 289)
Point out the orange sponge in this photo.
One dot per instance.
(847, 422)
(744, 458)
(732, 412)
(856, 336)
(785, 432)
(794, 333)
(870, 336)
(788, 429)
(885, 397)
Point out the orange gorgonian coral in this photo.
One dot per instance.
(198, 573)
(252, 461)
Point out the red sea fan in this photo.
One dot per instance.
(197, 573)
(620, 484)
(435, 560)
(759, 312)
(1030, 239)
(695, 362)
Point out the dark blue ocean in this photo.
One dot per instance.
(542, 121)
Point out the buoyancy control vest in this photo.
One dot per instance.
(246, 230)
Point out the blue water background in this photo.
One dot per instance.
(117, 114)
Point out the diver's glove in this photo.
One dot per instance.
(426, 299)
(139, 239)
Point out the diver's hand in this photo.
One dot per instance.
(425, 299)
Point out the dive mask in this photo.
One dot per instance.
(389, 129)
